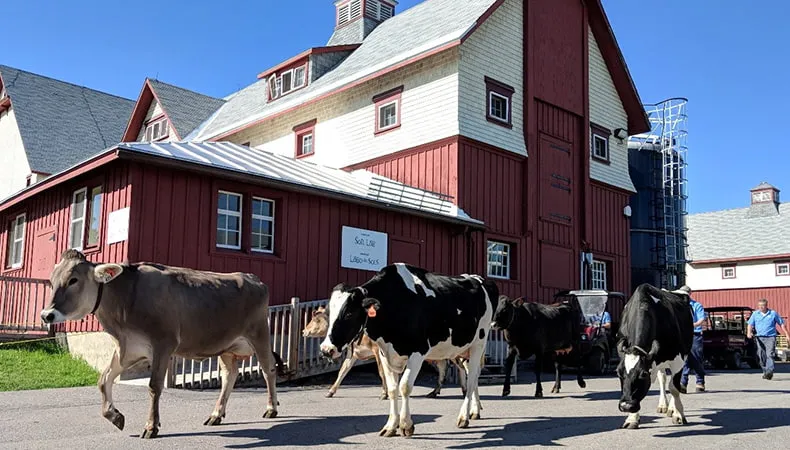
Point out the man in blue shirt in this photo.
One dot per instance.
(762, 324)
(696, 358)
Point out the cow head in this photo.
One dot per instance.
(349, 310)
(505, 312)
(636, 372)
(75, 287)
(318, 325)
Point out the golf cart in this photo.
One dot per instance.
(596, 342)
(724, 340)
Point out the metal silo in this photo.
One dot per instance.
(657, 165)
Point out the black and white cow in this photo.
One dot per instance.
(655, 334)
(414, 315)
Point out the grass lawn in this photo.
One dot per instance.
(42, 365)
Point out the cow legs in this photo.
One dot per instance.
(462, 369)
(441, 366)
(413, 366)
(229, 371)
(473, 374)
(159, 363)
(344, 369)
(557, 378)
(391, 377)
(105, 387)
(383, 378)
(509, 361)
(538, 370)
(662, 391)
(632, 421)
(675, 405)
(263, 349)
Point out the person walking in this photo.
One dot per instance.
(696, 359)
(762, 325)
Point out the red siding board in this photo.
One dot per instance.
(611, 233)
(778, 298)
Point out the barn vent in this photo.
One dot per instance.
(764, 201)
(356, 19)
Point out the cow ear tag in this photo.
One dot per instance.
(371, 311)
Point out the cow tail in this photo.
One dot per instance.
(576, 308)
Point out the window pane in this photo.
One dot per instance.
(76, 233)
(222, 202)
(222, 237)
(267, 243)
(286, 83)
(222, 221)
(95, 216)
(233, 223)
(78, 206)
(234, 203)
(18, 252)
(388, 115)
(256, 241)
(499, 106)
(10, 246)
(262, 208)
(233, 238)
(257, 207)
(257, 226)
(298, 80)
(267, 227)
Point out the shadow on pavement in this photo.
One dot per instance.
(297, 432)
(735, 421)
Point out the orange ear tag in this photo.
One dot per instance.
(371, 311)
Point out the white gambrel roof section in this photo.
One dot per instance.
(421, 29)
(360, 184)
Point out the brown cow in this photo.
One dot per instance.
(367, 349)
(154, 311)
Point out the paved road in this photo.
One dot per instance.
(740, 410)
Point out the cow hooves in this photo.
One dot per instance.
(213, 420)
(330, 394)
(408, 431)
(475, 416)
(631, 425)
(149, 433)
(555, 390)
(432, 394)
(662, 410)
(538, 394)
(388, 432)
(677, 420)
(670, 412)
(463, 422)
(116, 418)
(270, 414)
(384, 396)
(505, 392)
(582, 384)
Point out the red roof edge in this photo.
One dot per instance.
(615, 62)
(140, 110)
(68, 174)
(307, 53)
(480, 21)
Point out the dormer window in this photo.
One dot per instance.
(349, 11)
(287, 81)
(761, 197)
(156, 129)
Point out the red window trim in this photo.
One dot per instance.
(734, 271)
(605, 133)
(781, 263)
(299, 132)
(248, 192)
(503, 90)
(392, 95)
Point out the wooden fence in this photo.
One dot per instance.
(21, 302)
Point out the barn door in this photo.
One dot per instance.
(556, 179)
(44, 253)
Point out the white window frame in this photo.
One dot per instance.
(381, 107)
(491, 95)
(598, 137)
(82, 219)
(15, 261)
(724, 273)
(228, 212)
(301, 80)
(278, 88)
(164, 130)
(498, 264)
(312, 142)
(264, 218)
(786, 266)
(599, 275)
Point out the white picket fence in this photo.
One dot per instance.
(301, 356)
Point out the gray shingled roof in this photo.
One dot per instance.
(733, 233)
(416, 31)
(763, 185)
(62, 123)
(186, 109)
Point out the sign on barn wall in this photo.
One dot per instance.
(118, 226)
(363, 249)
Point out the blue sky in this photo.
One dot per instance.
(731, 62)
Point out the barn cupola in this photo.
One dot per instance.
(764, 200)
(356, 19)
